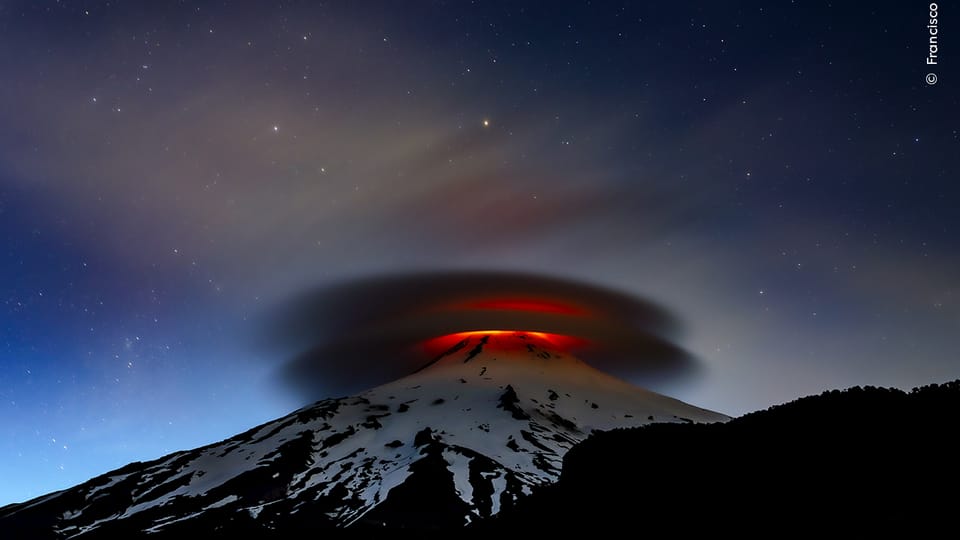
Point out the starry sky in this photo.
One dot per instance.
(778, 175)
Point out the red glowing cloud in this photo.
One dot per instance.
(538, 305)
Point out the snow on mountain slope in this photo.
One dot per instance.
(481, 425)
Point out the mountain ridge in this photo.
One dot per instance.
(484, 423)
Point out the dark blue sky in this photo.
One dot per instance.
(779, 175)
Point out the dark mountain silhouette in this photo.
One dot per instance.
(860, 459)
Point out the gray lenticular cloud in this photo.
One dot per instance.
(359, 333)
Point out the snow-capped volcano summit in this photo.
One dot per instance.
(464, 436)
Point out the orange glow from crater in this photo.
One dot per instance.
(557, 342)
(481, 333)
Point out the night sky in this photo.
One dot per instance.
(777, 175)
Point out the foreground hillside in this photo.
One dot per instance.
(863, 458)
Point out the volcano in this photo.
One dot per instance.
(471, 432)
